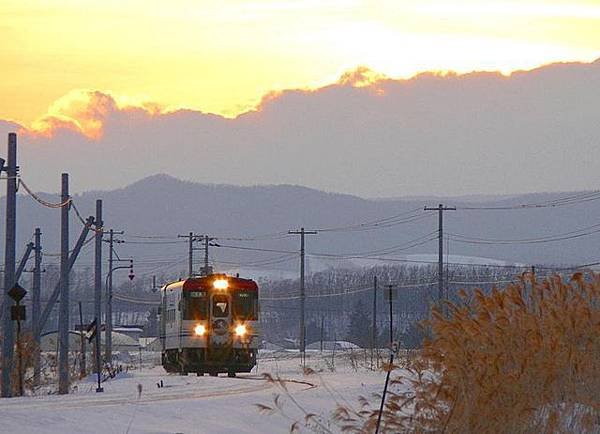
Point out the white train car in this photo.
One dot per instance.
(209, 325)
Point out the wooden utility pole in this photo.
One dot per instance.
(302, 233)
(98, 283)
(63, 313)
(11, 170)
(191, 237)
(374, 325)
(441, 208)
(36, 305)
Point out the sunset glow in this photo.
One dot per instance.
(223, 56)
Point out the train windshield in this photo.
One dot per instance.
(220, 308)
(195, 305)
(245, 305)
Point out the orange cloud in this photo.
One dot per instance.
(362, 76)
(86, 112)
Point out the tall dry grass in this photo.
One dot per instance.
(525, 358)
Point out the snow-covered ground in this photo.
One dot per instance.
(191, 404)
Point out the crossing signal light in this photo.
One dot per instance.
(131, 275)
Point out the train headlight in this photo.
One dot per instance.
(240, 330)
(200, 330)
(221, 284)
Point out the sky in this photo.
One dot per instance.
(374, 98)
(223, 56)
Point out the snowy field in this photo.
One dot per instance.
(191, 404)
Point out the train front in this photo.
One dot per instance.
(219, 324)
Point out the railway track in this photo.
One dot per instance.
(238, 386)
(83, 401)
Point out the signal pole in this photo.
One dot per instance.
(36, 305)
(63, 313)
(9, 261)
(440, 208)
(302, 233)
(109, 321)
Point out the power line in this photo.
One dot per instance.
(577, 233)
(563, 201)
(42, 201)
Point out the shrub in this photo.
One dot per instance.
(525, 358)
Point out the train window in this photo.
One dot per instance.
(245, 305)
(195, 305)
(220, 306)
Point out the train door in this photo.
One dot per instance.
(220, 312)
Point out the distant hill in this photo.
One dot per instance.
(163, 206)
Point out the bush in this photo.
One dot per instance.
(522, 359)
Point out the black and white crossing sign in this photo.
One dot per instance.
(91, 330)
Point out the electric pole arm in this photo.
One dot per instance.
(23, 262)
(84, 233)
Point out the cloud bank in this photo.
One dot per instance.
(366, 134)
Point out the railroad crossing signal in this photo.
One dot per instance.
(17, 293)
(91, 330)
(131, 275)
(17, 312)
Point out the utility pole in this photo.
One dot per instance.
(63, 313)
(374, 325)
(98, 282)
(190, 254)
(36, 305)
(322, 330)
(390, 287)
(191, 239)
(302, 233)
(207, 242)
(82, 368)
(9, 262)
(392, 350)
(441, 208)
(109, 319)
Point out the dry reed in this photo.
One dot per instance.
(525, 358)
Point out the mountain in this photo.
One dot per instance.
(163, 206)
(442, 134)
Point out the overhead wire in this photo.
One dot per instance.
(563, 201)
(42, 201)
(577, 233)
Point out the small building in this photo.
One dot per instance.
(120, 342)
(133, 332)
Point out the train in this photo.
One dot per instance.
(209, 324)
